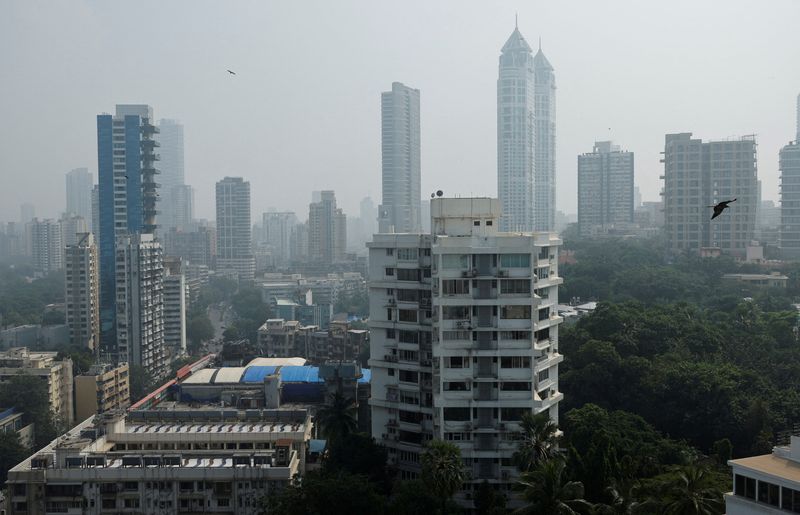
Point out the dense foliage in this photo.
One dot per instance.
(22, 299)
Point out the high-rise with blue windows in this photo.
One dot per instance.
(127, 203)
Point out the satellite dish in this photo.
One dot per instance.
(439, 193)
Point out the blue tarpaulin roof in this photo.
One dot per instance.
(316, 446)
(256, 374)
(300, 375)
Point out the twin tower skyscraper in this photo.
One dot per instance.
(526, 141)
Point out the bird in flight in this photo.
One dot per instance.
(719, 208)
(231, 72)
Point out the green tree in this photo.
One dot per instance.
(337, 419)
(142, 382)
(689, 491)
(358, 453)
(82, 358)
(442, 470)
(12, 452)
(547, 491)
(412, 497)
(488, 501)
(539, 440)
(198, 330)
(320, 493)
(28, 394)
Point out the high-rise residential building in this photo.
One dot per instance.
(126, 200)
(277, 228)
(56, 373)
(400, 162)
(234, 232)
(198, 247)
(182, 208)
(173, 200)
(44, 238)
(82, 293)
(516, 127)
(327, 230)
(699, 174)
(368, 214)
(789, 234)
(175, 299)
(102, 388)
(544, 175)
(299, 242)
(79, 193)
(96, 211)
(463, 337)
(140, 304)
(71, 227)
(605, 188)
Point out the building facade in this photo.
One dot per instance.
(82, 293)
(79, 193)
(463, 338)
(277, 235)
(102, 388)
(140, 304)
(234, 231)
(400, 162)
(46, 246)
(72, 227)
(198, 247)
(327, 230)
(172, 200)
(605, 188)
(126, 157)
(700, 174)
(175, 301)
(544, 179)
(789, 233)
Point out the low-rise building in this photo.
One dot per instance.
(282, 338)
(12, 421)
(57, 373)
(773, 280)
(766, 484)
(103, 388)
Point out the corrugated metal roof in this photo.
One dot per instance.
(229, 375)
(201, 376)
(276, 362)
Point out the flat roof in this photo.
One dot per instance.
(201, 376)
(771, 465)
(277, 362)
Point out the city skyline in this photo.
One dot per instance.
(460, 102)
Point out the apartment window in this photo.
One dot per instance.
(511, 286)
(389, 314)
(791, 500)
(408, 295)
(488, 223)
(515, 362)
(407, 254)
(476, 223)
(409, 337)
(455, 286)
(456, 335)
(407, 315)
(544, 375)
(768, 493)
(456, 386)
(390, 334)
(455, 261)
(515, 312)
(389, 252)
(745, 486)
(409, 376)
(456, 362)
(408, 274)
(513, 414)
(515, 260)
(457, 414)
(515, 335)
(455, 312)
(515, 386)
(390, 271)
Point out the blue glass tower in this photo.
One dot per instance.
(127, 196)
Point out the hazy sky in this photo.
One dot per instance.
(303, 113)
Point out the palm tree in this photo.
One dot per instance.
(548, 493)
(692, 492)
(443, 470)
(337, 419)
(539, 440)
(624, 503)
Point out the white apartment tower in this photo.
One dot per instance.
(277, 231)
(82, 292)
(400, 162)
(789, 164)
(464, 337)
(174, 307)
(46, 245)
(234, 232)
(79, 193)
(327, 230)
(544, 179)
(605, 188)
(140, 303)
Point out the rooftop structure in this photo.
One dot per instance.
(766, 484)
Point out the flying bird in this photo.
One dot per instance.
(231, 72)
(719, 208)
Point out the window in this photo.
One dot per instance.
(408, 295)
(390, 271)
(409, 355)
(408, 376)
(407, 254)
(455, 313)
(456, 335)
(389, 252)
(455, 286)
(544, 314)
(409, 337)
(457, 414)
(515, 335)
(488, 223)
(515, 362)
(476, 223)
(791, 499)
(515, 386)
(513, 414)
(455, 261)
(515, 312)
(544, 374)
(407, 315)
(515, 260)
(390, 334)
(768, 493)
(389, 313)
(408, 274)
(456, 362)
(510, 286)
(456, 386)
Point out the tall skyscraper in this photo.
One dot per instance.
(234, 232)
(170, 137)
(46, 245)
(605, 188)
(789, 164)
(140, 303)
(400, 148)
(181, 208)
(697, 175)
(82, 292)
(277, 228)
(72, 228)
(516, 127)
(127, 200)
(327, 230)
(464, 338)
(79, 193)
(544, 176)
(96, 212)
(175, 299)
